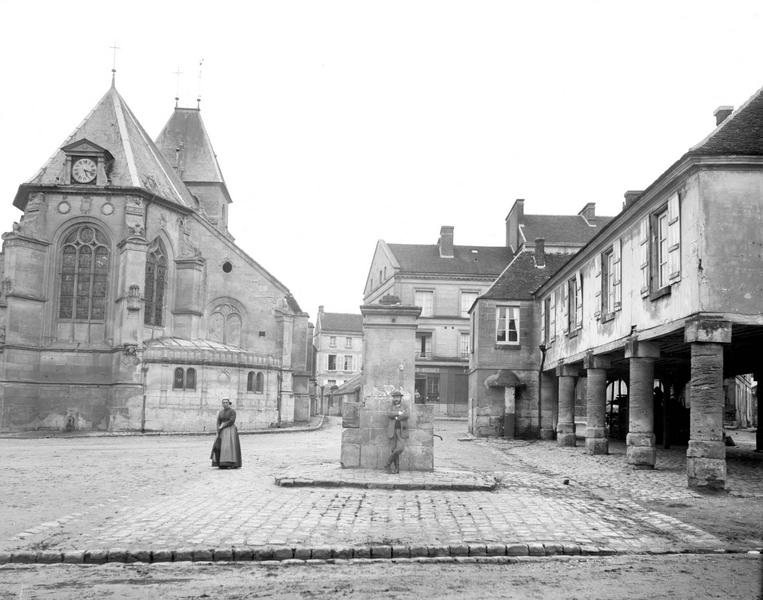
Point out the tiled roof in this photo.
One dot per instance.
(486, 261)
(137, 161)
(522, 277)
(345, 322)
(740, 134)
(561, 229)
(184, 141)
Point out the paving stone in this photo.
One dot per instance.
(5, 557)
(571, 549)
(223, 554)
(536, 549)
(459, 550)
(381, 552)
(342, 552)
(97, 557)
(517, 550)
(24, 557)
(158, 556)
(138, 556)
(321, 553)
(553, 549)
(418, 551)
(283, 553)
(495, 550)
(302, 553)
(435, 551)
(117, 555)
(72, 557)
(399, 551)
(243, 554)
(183, 555)
(361, 552)
(477, 550)
(203, 555)
(263, 553)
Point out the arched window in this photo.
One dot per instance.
(224, 325)
(190, 379)
(250, 382)
(84, 275)
(179, 379)
(156, 277)
(259, 385)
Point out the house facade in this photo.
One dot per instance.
(338, 342)
(668, 295)
(444, 280)
(125, 302)
(505, 359)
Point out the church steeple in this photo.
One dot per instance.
(186, 146)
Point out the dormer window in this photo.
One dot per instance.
(86, 163)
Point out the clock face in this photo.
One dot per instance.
(83, 170)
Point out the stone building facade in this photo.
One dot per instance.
(670, 291)
(125, 302)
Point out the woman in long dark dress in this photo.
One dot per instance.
(226, 452)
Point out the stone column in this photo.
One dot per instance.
(548, 400)
(641, 451)
(509, 411)
(706, 454)
(596, 439)
(759, 434)
(565, 428)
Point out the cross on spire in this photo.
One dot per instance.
(114, 63)
(198, 98)
(178, 73)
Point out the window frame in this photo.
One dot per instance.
(464, 310)
(351, 359)
(515, 309)
(72, 239)
(328, 362)
(429, 293)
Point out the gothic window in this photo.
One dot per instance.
(156, 278)
(179, 380)
(84, 275)
(224, 325)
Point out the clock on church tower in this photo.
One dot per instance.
(86, 163)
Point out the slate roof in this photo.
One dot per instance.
(561, 229)
(740, 134)
(345, 322)
(137, 161)
(196, 160)
(487, 261)
(522, 277)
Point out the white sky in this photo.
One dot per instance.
(340, 123)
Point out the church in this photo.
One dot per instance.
(126, 305)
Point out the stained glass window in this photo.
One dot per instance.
(250, 382)
(190, 379)
(156, 276)
(84, 275)
(179, 380)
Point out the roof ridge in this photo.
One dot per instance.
(724, 124)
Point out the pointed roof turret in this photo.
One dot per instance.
(186, 145)
(137, 162)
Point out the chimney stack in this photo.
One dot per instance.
(588, 211)
(722, 113)
(540, 252)
(445, 243)
(631, 196)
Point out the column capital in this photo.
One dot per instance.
(567, 371)
(708, 330)
(636, 349)
(591, 361)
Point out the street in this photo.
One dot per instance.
(158, 494)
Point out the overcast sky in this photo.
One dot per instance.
(340, 123)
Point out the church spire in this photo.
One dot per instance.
(114, 64)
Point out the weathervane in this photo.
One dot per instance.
(114, 63)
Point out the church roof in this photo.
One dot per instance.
(184, 142)
(138, 163)
(484, 261)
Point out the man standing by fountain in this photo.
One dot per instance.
(397, 431)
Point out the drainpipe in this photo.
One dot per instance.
(278, 397)
(143, 371)
(542, 349)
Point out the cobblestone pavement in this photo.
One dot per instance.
(547, 495)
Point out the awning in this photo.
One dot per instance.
(503, 378)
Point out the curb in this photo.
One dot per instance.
(307, 555)
(381, 485)
(123, 434)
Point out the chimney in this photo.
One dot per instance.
(722, 113)
(588, 211)
(540, 252)
(514, 219)
(631, 196)
(445, 243)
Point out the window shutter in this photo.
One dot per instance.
(597, 287)
(644, 255)
(565, 307)
(543, 333)
(579, 300)
(617, 263)
(674, 238)
(552, 317)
